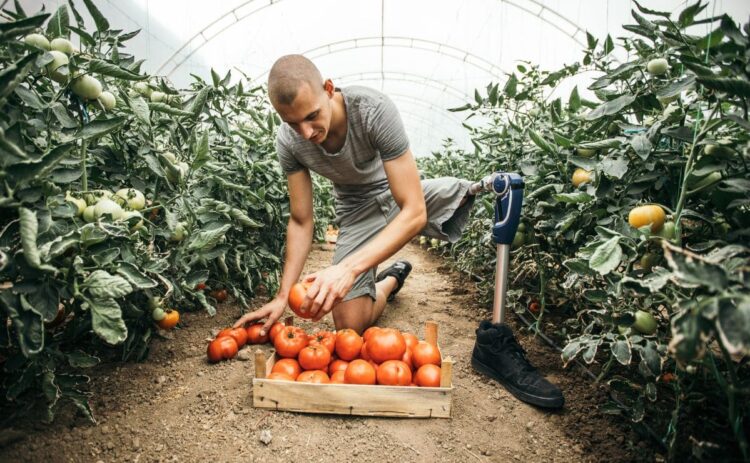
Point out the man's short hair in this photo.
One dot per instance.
(288, 74)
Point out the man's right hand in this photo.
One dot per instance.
(273, 310)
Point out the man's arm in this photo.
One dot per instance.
(333, 283)
(299, 234)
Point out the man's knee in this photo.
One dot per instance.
(355, 314)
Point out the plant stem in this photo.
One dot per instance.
(84, 174)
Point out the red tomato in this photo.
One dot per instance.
(280, 376)
(200, 286)
(314, 358)
(297, 297)
(338, 377)
(363, 352)
(407, 358)
(290, 341)
(428, 376)
(325, 338)
(239, 335)
(424, 353)
(386, 344)
(313, 376)
(394, 373)
(219, 294)
(534, 307)
(337, 365)
(221, 349)
(275, 328)
(359, 372)
(348, 344)
(253, 334)
(410, 340)
(289, 367)
(369, 332)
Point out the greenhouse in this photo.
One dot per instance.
(492, 230)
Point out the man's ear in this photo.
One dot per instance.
(329, 87)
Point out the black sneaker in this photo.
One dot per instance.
(398, 270)
(498, 355)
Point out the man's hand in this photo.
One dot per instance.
(328, 287)
(274, 309)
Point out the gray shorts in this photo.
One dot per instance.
(445, 220)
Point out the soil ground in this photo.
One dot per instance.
(175, 406)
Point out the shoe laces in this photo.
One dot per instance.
(512, 347)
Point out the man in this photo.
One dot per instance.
(354, 136)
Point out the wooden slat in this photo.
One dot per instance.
(431, 332)
(289, 321)
(260, 364)
(348, 399)
(446, 372)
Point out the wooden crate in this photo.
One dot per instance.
(355, 399)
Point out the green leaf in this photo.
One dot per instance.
(29, 231)
(140, 110)
(591, 41)
(621, 351)
(199, 100)
(80, 359)
(59, 23)
(608, 45)
(733, 325)
(76, 14)
(602, 144)
(687, 16)
(573, 198)
(99, 128)
(607, 256)
(27, 323)
(641, 145)
(540, 141)
(112, 70)
(562, 141)
(510, 86)
(611, 107)
(11, 30)
(691, 273)
(165, 108)
(460, 108)
(102, 284)
(201, 152)
(101, 22)
(574, 100)
(14, 74)
(106, 320)
(615, 167)
(737, 87)
(137, 278)
(643, 10)
(195, 277)
(675, 88)
(207, 239)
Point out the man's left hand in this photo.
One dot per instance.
(328, 287)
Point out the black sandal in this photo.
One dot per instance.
(398, 270)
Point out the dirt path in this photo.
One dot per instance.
(177, 407)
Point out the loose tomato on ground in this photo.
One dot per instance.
(219, 294)
(297, 297)
(222, 348)
(338, 377)
(239, 335)
(290, 341)
(424, 353)
(360, 372)
(170, 320)
(290, 367)
(313, 376)
(386, 344)
(410, 340)
(348, 344)
(275, 328)
(394, 373)
(324, 338)
(337, 365)
(314, 358)
(280, 376)
(253, 334)
(428, 376)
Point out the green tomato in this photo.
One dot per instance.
(422, 240)
(434, 242)
(37, 40)
(158, 314)
(133, 217)
(667, 231)
(142, 88)
(522, 227)
(108, 100)
(63, 45)
(108, 207)
(518, 240)
(624, 330)
(154, 302)
(533, 112)
(645, 323)
(696, 185)
(657, 67)
(79, 203)
(89, 214)
(179, 232)
(93, 196)
(87, 87)
(585, 152)
(648, 260)
(716, 150)
(59, 60)
(170, 157)
(157, 97)
(132, 198)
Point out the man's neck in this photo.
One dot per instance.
(337, 131)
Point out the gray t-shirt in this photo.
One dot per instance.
(374, 134)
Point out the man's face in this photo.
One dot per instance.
(309, 114)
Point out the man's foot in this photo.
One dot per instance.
(398, 270)
(498, 355)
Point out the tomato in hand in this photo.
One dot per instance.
(290, 341)
(314, 358)
(313, 376)
(428, 375)
(222, 349)
(348, 344)
(297, 297)
(239, 335)
(324, 338)
(424, 353)
(359, 372)
(394, 373)
(253, 334)
(386, 344)
(288, 367)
